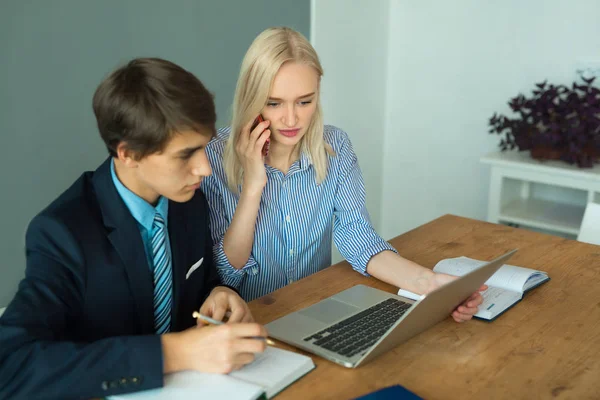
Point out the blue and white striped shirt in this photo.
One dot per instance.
(296, 219)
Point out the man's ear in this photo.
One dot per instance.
(127, 156)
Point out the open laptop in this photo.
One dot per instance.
(356, 325)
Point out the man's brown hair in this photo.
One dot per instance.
(146, 102)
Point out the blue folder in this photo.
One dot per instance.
(395, 392)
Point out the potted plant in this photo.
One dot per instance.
(556, 122)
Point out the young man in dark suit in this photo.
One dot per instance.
(117, 264)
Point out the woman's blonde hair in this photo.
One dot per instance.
(267, 53)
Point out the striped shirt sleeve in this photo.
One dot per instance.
(354, 235)
(219, 223)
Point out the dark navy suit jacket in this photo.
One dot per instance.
(81, 324)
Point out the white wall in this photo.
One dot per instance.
(351, 40)
(450, 66)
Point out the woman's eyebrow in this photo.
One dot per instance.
(300, 97)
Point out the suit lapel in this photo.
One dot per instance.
(125, 237)
(178, 240)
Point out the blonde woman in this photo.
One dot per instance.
(273, 218)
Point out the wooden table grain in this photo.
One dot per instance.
(546, 347)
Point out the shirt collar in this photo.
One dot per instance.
(303, 162)
(140, 209)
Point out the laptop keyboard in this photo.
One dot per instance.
(357, 333)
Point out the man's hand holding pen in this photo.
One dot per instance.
(219, 347)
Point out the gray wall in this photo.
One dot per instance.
(54, 53)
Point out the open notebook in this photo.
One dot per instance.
(505, 288)
(270, 373)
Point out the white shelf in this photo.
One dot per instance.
(523, 161)
(543, 214)
(546, 195)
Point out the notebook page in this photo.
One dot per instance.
(188, 385)
(495, 300)
(275, 369)
(508, 277)
(535, 279)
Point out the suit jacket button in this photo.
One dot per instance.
(123, 382)
(104, 385)
(113, 384)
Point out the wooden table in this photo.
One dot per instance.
(546, 347)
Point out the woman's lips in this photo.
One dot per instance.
(289, 132)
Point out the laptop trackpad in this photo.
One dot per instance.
(329, 311)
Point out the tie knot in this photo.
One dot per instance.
(158, 220)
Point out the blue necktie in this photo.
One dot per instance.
(162, 276)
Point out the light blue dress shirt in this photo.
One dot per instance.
(143, 212)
